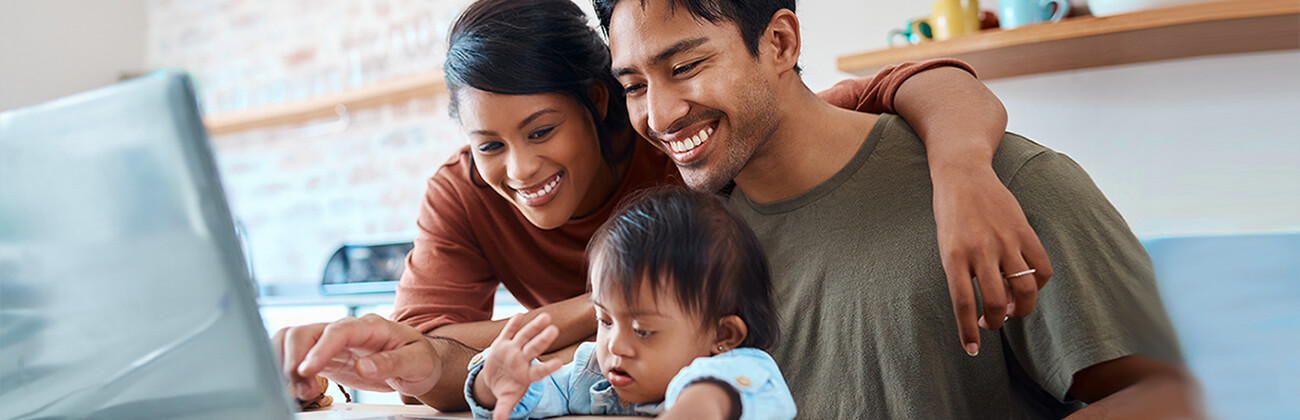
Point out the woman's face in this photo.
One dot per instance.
(539, 152)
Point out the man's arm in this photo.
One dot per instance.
(982, 230)
(1136, 387)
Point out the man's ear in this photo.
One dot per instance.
(731, 332)
(780, 42)
(599, 95)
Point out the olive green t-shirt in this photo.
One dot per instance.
(866, 319)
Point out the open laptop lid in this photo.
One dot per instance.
(123, 291)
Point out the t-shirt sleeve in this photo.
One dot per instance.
(750, 373)
(875, 94)
(1102, 301)
(447, 278)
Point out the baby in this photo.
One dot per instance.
(683, 299)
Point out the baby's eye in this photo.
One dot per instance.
(642, 333)
(604, 322)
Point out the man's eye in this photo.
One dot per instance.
(633, 89)
(541, 132)
(489, 147)
(686, 68)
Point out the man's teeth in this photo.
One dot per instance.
(544, 191)
(690, 143)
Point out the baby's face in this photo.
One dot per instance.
(642, 344)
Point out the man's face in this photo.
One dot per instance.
(693, 90)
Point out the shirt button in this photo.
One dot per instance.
(744, 381)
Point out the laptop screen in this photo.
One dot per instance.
(122, 286)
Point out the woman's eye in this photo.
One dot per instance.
(489, 147)
(539, 133)
(633, 89)
(686, 68)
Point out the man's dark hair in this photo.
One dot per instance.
(525, 47)
(751, 16)
(693, 246)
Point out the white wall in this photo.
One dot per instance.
(1202, 145)
(54, 48)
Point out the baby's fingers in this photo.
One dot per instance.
(508, 332)
(539, 371)
(539, 343)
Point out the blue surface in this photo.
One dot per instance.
(1235, 302)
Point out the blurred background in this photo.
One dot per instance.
(328, 115)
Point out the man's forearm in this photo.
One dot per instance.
(1154, 398)
(957, 117)
(452, 358)
(1136, 387)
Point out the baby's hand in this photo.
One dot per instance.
(507, 366)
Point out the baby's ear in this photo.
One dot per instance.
(731, 332)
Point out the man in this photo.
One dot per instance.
(842, 203)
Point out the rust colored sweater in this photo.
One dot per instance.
(470, 239)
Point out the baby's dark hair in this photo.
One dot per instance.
(697, 248)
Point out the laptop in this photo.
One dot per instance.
(123, 289)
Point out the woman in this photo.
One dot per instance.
(551, 154)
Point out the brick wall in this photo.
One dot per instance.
(302, 190)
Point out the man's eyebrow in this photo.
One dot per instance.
(522, 124)
(666, 54)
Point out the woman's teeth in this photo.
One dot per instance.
(543, 191)
(690, 143)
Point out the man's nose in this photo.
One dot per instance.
(666, 106)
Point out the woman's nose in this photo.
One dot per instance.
(522, 164)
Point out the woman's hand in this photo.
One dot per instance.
(984, 236)
(370, 353)
(507, 366)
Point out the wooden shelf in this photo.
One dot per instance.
(1225, 27)
(391, 91)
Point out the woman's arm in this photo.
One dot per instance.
(983, 233)
(575, 317)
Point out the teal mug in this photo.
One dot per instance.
(1016, 13)
(917, 31)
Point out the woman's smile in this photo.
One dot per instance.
(541, 193)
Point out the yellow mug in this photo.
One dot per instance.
(953, 18)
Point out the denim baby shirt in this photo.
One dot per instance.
(579, 388)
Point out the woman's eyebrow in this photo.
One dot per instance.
(536, 115)
(522, 124)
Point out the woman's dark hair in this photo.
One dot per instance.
(692, 245)
(525, 47)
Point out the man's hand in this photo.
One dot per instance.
(984, 236)
(507, 366)
(370, 353)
